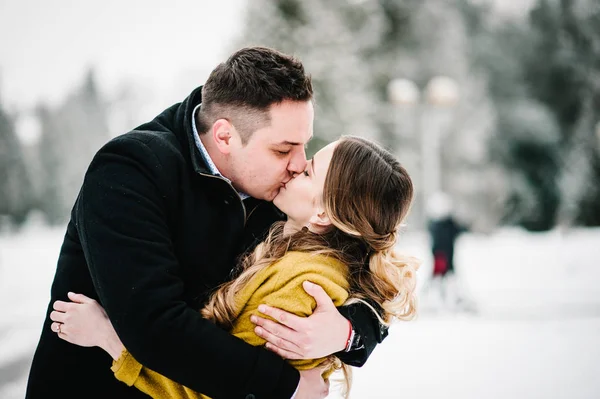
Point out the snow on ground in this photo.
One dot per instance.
(536, 332)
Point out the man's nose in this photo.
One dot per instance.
(297, 162)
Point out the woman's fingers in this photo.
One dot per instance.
(79, 298)
(58, 328)
(61, 306)
(62, 309)
(76, 299)
(58, 317)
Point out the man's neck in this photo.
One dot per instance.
(215, 155)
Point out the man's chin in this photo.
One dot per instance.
(274, 196)
(269, 196)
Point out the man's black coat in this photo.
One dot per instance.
(151, 233)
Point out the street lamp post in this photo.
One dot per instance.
(441, 94)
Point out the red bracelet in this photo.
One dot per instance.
(349, 339)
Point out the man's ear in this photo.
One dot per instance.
(222, 134)
(319, 222)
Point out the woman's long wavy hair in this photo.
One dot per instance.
(367, 194)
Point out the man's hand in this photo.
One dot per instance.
(312, 385)
(319, 335)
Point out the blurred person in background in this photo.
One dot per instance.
(163, 213)
(337, 235)
(444, 286)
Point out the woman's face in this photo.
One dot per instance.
(301, 198)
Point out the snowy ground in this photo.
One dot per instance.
(536, 333)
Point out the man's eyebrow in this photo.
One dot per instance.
(286, 142)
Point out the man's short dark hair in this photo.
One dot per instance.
(243, 88)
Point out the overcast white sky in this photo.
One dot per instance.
(46, 46)
(168, 47)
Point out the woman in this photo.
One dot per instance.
(343, 213)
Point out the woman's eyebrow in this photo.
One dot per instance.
(312, 165)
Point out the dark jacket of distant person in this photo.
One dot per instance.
(444, 232)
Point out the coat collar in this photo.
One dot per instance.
(183, 118)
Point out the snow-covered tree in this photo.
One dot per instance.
(527, 146)
(331, 38)
(70, 137)
(15, 186)
(563, 72)
(354, 49)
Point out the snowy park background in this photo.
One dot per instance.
(535, 335)
(495, 102)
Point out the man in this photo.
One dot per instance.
(161, 217)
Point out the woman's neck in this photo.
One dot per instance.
(290, 227)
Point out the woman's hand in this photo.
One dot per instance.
(84, 322)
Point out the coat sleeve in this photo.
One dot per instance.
(367, 325)
(121, 216)
(128, 370)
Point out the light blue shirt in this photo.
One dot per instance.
(204, 153)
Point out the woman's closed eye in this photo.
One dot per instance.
(305, 173)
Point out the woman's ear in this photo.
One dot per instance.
(319, 222)
(221, 135)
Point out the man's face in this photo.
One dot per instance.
(274, 153)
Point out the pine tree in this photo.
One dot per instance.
(527, 146)
(71, 135)
(567, 39)
(15, 186)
